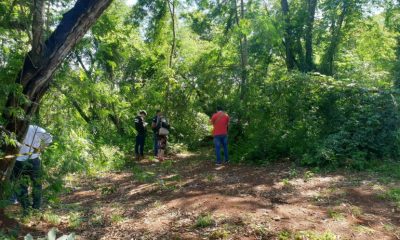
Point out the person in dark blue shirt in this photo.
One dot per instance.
(140, 126)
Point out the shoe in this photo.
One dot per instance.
(218, 164)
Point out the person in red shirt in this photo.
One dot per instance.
(220, 122)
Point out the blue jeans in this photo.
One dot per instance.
(23, 172)
(139, 146)
(218, 140)
(155, 144)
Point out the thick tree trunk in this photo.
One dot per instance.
(327, 64)
(288, 38)
(36, 74)
(311, 5)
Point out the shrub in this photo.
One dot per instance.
(320, 121)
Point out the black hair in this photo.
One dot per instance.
(158, 111)
(219, 108)
(143, 112)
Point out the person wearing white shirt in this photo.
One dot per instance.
(28, 166)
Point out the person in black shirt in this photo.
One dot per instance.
(140, 126)
(155, 130)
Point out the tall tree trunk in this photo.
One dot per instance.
(244, 56)
(36, 74)
(311, 5)
(288, 38)
(171, 7)
(327, 64)
(396, 71)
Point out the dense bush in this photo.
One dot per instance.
(318, 120)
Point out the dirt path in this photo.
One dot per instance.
(191, 198)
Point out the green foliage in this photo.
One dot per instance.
(322, 121)
(205, 220)
(394, 195)
(287, 235)
(123, 65)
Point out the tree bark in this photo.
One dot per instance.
(244, 57)
(311, 5)
(35, 76)
(336, 32)
(37, 30)
(288, 38)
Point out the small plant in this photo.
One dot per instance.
(143, 176)
(364, 229)
(116, 218)
(204, 221)
(394, 195)
(175, 177)
(210, 177)
(286, 182)
(97, 220)
(356, 211)
(293, 173)
(51, 218)
(261, 231)
(309, 235)
(284, 235)
(75, 220)
(308, 175)
(108, 190)
(335, 215)
(219, 234)
(167, 165)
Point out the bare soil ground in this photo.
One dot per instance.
(188, 197)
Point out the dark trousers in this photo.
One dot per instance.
(139, 146)
(23, 172)
(155, 144)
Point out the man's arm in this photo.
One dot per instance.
(212, 120)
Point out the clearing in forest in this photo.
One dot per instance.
(188, 197)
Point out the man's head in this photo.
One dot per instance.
(158, 112)
(143, 113)
(219, 108)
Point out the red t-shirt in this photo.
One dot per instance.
(220, 121)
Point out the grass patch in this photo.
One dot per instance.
(167, 165)
(116, 218)
(394, 195)
(335, 215)
(309, 235)
(204, 221)
(108, 190)
(75, 220)
(261, 232)
(364, 229)
(307, 176)
(356, 211)
(219, 234)
(210, 177)
(143, 176)
(97, 220)
(286, 182)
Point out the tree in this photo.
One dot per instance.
(309, 63)
(41, 63)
